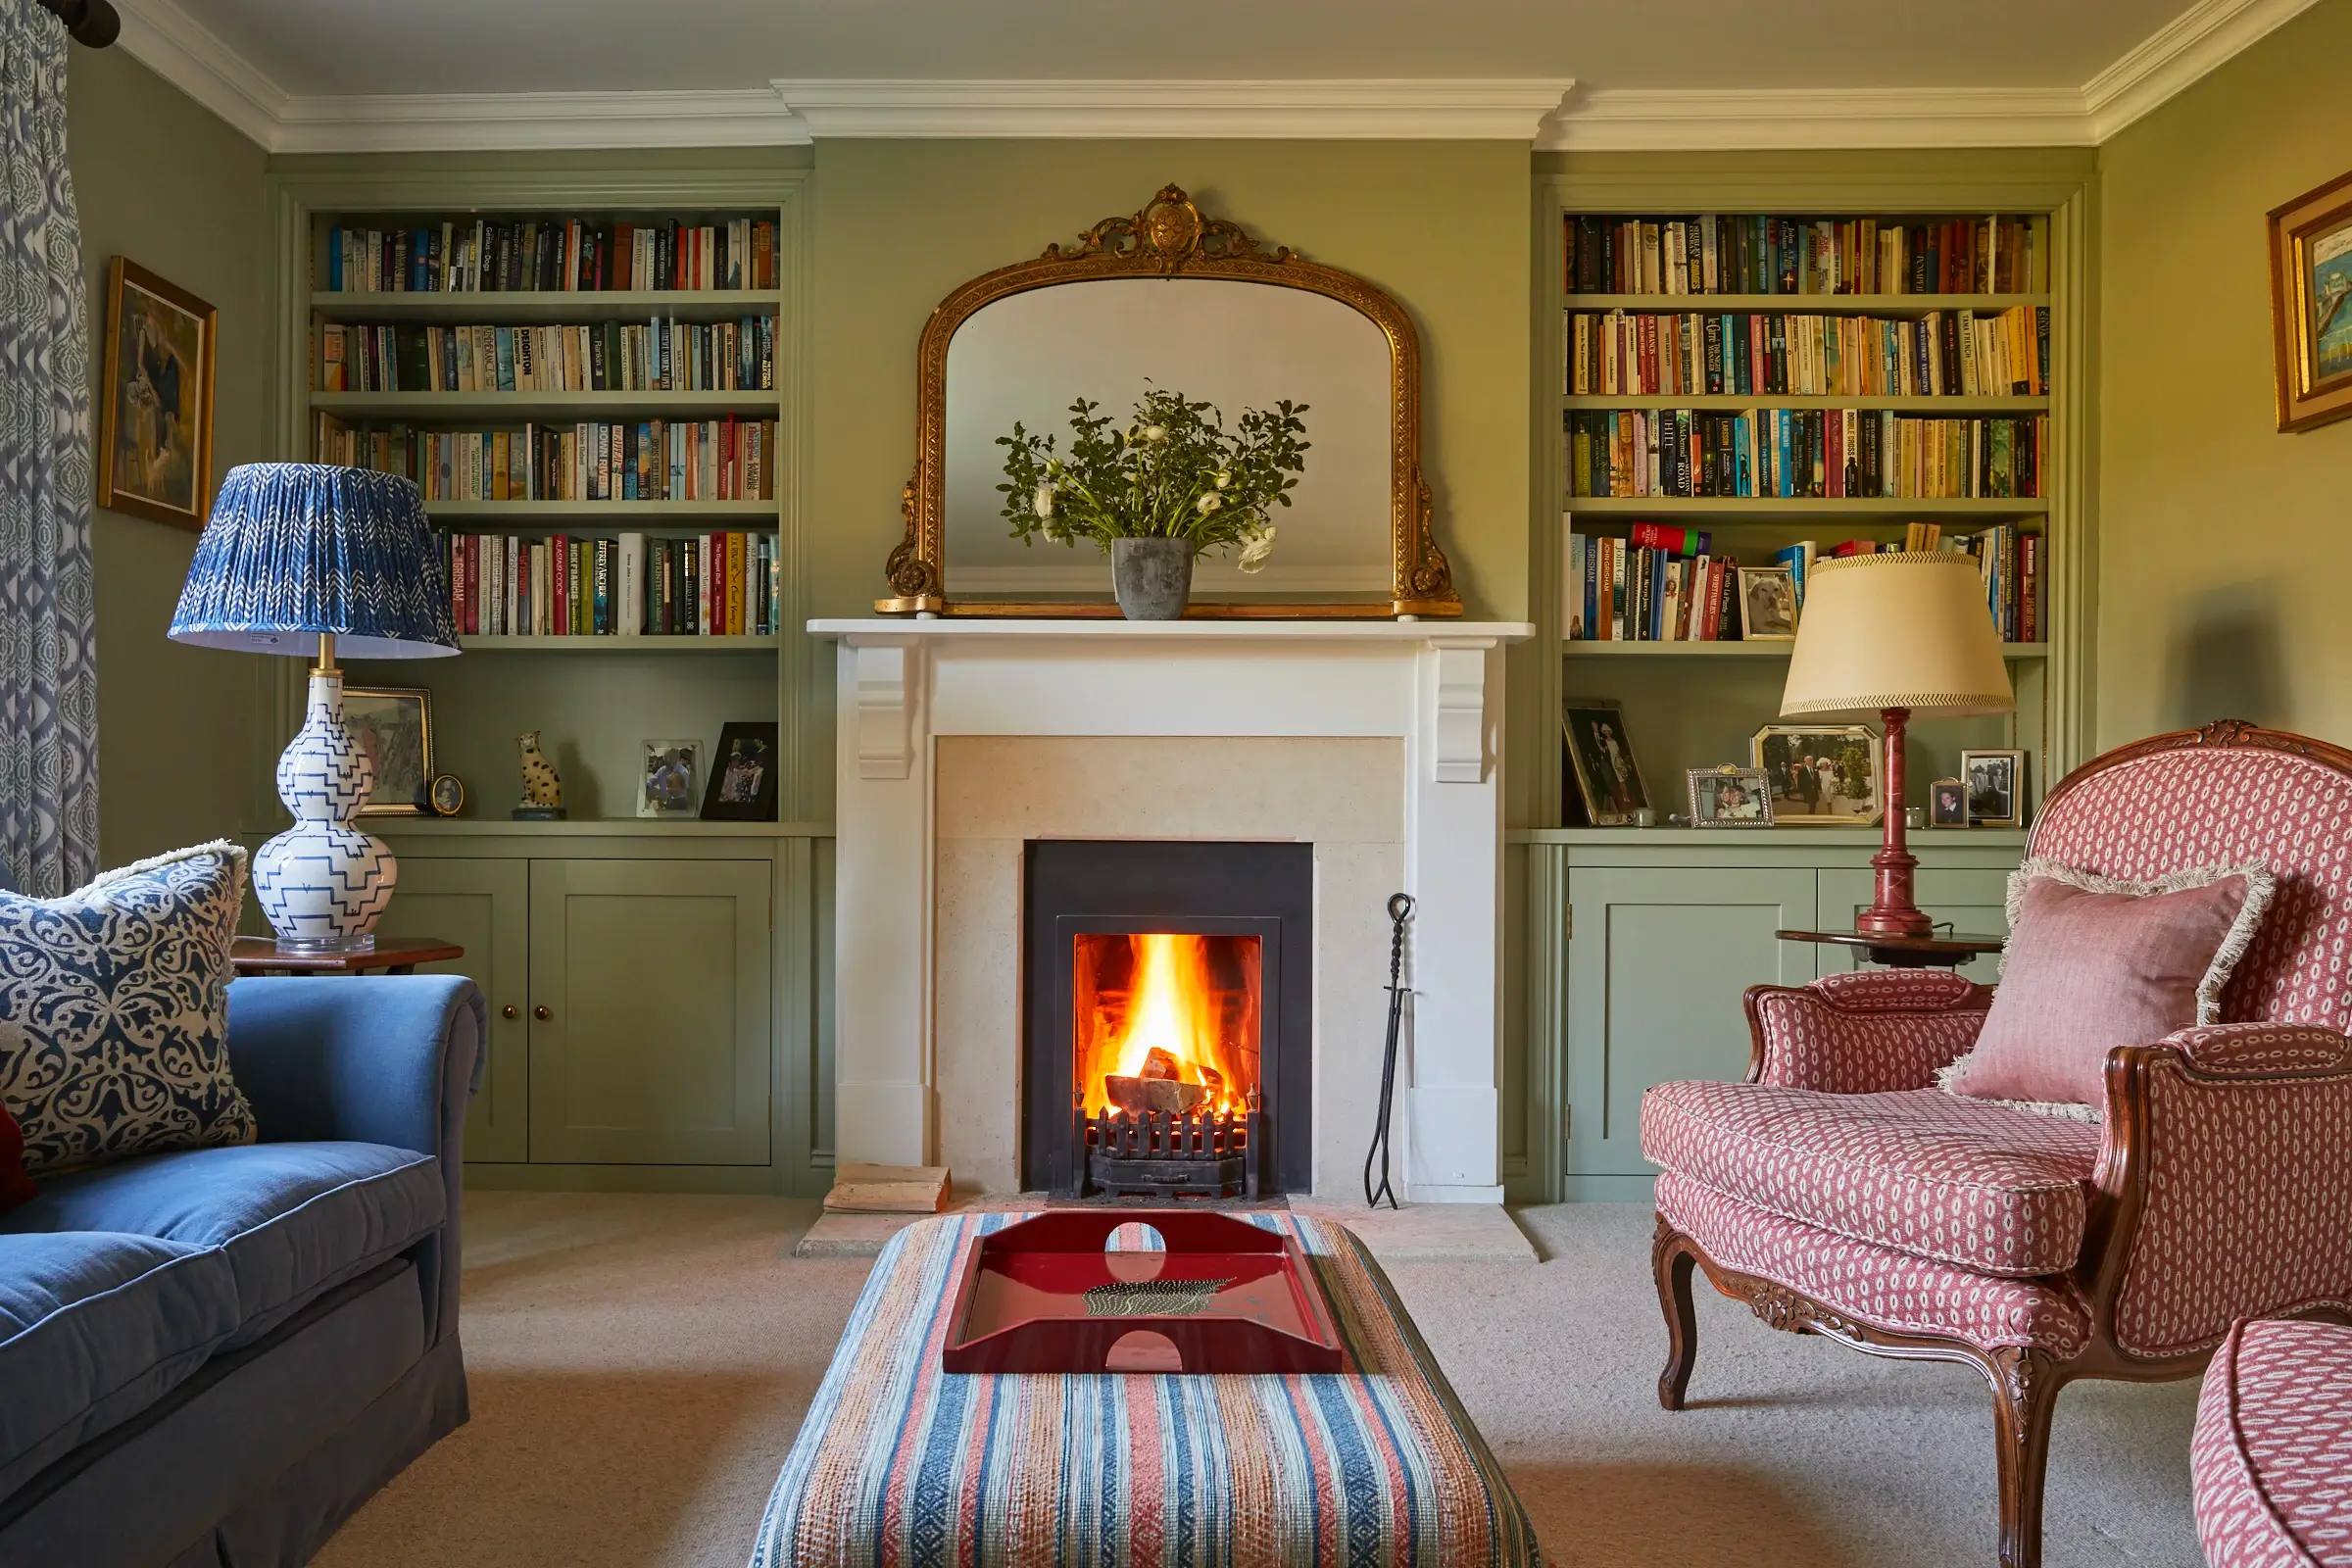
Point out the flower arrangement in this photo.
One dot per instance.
(1174, 472)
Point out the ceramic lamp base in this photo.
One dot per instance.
(322, 884)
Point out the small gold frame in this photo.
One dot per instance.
(420, 802)
(1170, 237)
(2306, 397)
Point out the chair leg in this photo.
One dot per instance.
(2025, 1394)
(1671, 1260)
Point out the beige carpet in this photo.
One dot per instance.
(640, 1365)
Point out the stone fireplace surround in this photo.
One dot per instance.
(961, 741)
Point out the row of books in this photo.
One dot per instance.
(659, 355)
(653, 460)
(481, 255)
(1748, 253)
(1665, 583)
(1813, 453)
(1742, 354)
(708, 585)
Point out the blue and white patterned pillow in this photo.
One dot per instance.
(120, 991)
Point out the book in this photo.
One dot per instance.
(567, 254)
(1750, 253)
(1791, 453)
(1754, 353)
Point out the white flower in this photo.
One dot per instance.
(1223, 477)
(1043, 506)
(1210, 502)
(1155, 432)
(1257, 545)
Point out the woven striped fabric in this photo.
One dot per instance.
(900, 1463)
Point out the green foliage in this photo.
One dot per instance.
(1174, 472)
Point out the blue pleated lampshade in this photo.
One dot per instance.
(294, 549)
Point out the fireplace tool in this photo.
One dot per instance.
(1401, 909)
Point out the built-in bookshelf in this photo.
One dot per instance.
(1763, 387)
(590, 383)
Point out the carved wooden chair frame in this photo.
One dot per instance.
(1170, 238)
(2024, 1380)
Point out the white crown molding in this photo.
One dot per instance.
(1778, 119)
(1320, 110)
(183, 52)
(2176, 55)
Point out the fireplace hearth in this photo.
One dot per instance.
(1169, 998)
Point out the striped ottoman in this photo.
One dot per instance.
(900, 1463)
(2272, 1456)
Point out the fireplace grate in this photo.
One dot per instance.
(1167, 1153)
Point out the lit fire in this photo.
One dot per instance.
(1172, 1014)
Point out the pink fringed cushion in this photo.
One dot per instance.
(2094, 963)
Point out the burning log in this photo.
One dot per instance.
(1162, 1064)
(1136, 1096)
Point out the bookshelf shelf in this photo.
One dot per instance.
(1734, 650)
(1801, 303)
(1858, 511)
(564, 406)
(618, 645)
(1719, 402)
(648, 516)
(538, 305)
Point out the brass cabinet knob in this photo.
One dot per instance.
(541, 1013)
(507, 1011)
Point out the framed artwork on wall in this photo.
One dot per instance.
(154, 458)
(2311, 305)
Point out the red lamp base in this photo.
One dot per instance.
(1891, 913)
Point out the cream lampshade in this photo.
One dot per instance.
(1901, 634)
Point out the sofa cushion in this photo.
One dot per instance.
(121, 990)
(95, 1327)
(292, 1219)
(1972, 1184)
(2271, 1460)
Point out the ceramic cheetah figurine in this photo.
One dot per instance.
(542, 790)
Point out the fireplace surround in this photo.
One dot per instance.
(1102, 918)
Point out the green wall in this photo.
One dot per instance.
(2221, 540)
(166, 183)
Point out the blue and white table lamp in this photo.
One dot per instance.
(302, 551)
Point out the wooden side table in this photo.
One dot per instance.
(1906, 952)
(391, 955)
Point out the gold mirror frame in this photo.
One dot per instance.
(1172, 238)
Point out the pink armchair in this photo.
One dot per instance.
(1837, 1192)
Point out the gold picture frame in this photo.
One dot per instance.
(1170, 237)
(1808, 767)
(394, 725)
(2311, 306)
(153, 461)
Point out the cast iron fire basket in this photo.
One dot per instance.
(1165, 1153)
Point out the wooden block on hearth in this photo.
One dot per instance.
(888, 1190)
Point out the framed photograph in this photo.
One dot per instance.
(1767, 604)
(1947, 803)
(154, 458)
(743, 774)
(1729, 797)
(395, 727)
(2311, 305)
(1821, 775)
(1996, 785)
(446, 794)
(1600, 755)
(669, 778)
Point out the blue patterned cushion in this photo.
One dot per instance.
(118, 995)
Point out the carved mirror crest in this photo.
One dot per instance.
(1175, 300)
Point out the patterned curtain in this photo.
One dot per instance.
(48, 629)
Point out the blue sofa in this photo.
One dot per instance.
(214, 1356)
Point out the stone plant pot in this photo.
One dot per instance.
(1152, 577)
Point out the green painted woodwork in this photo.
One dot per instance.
(655, 978)
(483, 906)
(1655, 970)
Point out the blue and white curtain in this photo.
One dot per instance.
(48, 629)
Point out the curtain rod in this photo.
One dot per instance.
(87, 21)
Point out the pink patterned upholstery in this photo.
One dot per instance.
(2271, 1461)
(2262, 1050)
(2249, 1206)
(1871, 1030)
(1875, 1285)
(1966, 1182)
(2220, 805)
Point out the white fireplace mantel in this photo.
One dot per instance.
(1432, 687)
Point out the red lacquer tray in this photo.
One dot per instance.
(1044, 1296)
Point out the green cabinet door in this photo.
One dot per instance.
(1972, 899)
(1657, 960)
(651, 1014)
(483, 906)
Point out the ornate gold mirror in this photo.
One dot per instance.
(1172, 300)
